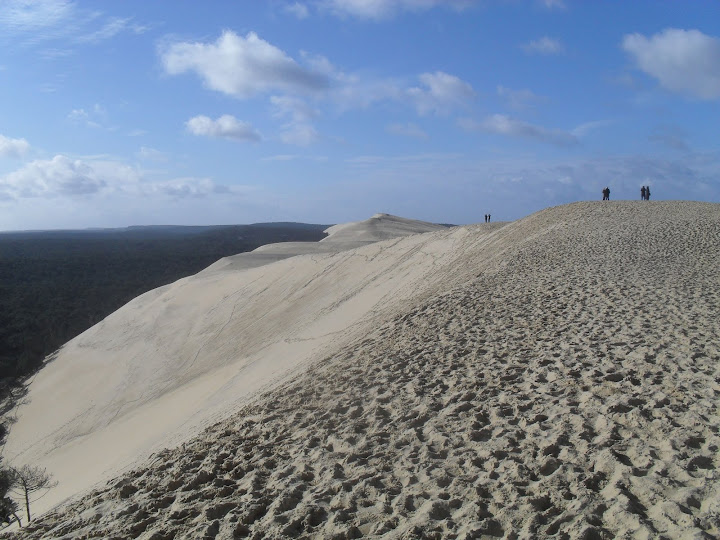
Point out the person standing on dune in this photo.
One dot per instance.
(647, 193)
(643, 193)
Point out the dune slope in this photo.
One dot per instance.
(180, 357)
(561, 379)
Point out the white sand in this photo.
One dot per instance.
(175, 359)
(555, 377)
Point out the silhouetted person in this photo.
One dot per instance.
(485, 218)
(647, 193)
(643, 193)
(488, 218)
(606, 194)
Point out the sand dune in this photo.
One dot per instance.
(177, 358)
(556, 377)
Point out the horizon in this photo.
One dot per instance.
(328, 111)
(218, 225)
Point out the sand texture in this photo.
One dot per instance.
(556, 377)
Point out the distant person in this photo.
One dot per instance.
(488, 218)
(485, 218)
(643, 193)
(647, 193)
(606, 194)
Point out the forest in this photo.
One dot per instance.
(56, 284)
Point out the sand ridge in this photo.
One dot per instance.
(178, 358)
(566, 385)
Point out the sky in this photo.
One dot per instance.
(324, 111)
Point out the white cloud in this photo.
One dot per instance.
(670, 136)
(151, 154)
(441, 92)
(544, 45)
(95, 117)
(587, 127)
(36, 21)
(504, 125)
(13, 147)
(684, 61)
(382, 9)
(299, 134)
(110, 29)
(34, 15)
(186, 187)
(58, 176)
(519, 99)
(227, 127)
(299, 130)
(241, 66)
(293, 107)
(407, 130)
(63, 176)
(297, 9)
(553, 4)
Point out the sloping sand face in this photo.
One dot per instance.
(179, 357)
(556, 377)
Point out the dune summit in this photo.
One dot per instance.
(553, 377)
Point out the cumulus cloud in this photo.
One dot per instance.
(504, 125)
(13, 148)
(63, 176)
(57, 176)
(241, 66)
(440, 92)
(407, 130)
(227, 127)
(382, 9)
(683, 61)
(545, 45)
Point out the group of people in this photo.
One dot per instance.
(487, 218)
(644, 195)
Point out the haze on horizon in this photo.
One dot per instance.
(329, 111)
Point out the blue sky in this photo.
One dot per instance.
(183, 112)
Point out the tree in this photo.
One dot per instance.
(8, 507)
(28, 479)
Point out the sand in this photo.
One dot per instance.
(556, 377)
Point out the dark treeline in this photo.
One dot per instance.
(56, 284)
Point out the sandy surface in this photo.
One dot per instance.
(558, 377)
(178, 358)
